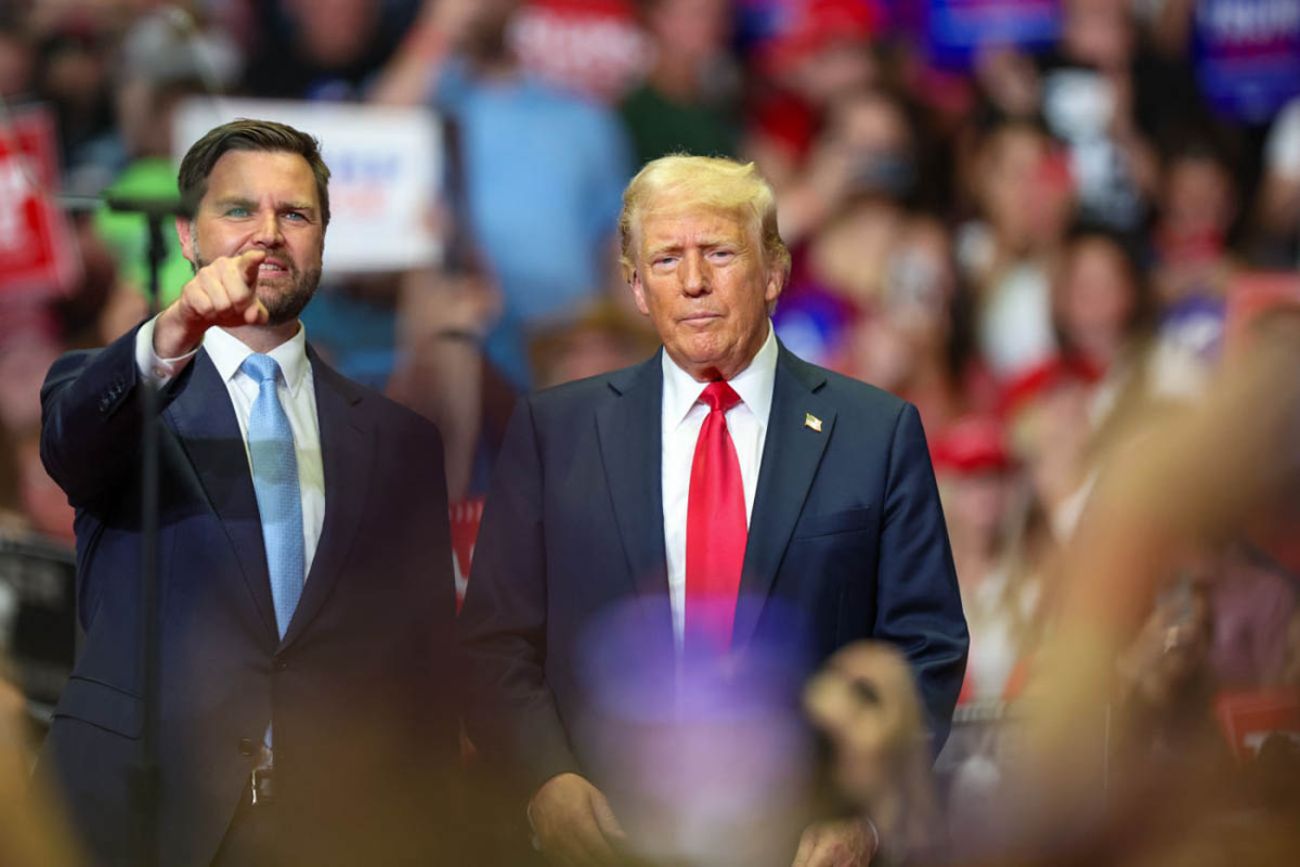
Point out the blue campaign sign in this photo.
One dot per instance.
(1248, 55)
(956, 30)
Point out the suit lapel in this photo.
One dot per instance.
(205, 423)
(630, 437)
(791, 453)
(346, 457)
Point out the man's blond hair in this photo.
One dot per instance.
(683, 181)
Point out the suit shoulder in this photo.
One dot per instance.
(583, 394)
(854, 395)
(869, 396)
(391, 416)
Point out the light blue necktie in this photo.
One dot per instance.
(275, 482)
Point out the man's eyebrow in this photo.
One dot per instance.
(241, 202)
(667, 247)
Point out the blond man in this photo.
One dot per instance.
(733, 496)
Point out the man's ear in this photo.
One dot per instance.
(185, 234)
(638, 292)
(776, 278)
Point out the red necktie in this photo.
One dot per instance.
(716, 527)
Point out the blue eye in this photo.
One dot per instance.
(295, 216)
(236, 211)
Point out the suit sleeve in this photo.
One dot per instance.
(91, 419)
(918, 605)
(511, 714)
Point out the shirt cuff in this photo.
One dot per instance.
(159, 371)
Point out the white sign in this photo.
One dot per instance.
(386, 167)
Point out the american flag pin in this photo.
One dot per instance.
(812, 421)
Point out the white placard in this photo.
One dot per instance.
(386, 168)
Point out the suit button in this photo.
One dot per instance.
(281, 665)
(247, 747)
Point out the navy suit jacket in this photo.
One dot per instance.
(846, 531)
(360, 687)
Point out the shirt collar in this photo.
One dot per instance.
(754, 384)
(228, 352)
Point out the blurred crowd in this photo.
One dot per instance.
(1042, 249)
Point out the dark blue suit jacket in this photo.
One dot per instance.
(846, 531)
(360, 687)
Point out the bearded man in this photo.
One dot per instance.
(305, 712)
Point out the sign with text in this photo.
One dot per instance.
(1248, 55)
(386, 166)
(38, 256)
(593, 46)
(956, 31)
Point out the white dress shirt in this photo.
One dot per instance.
(297, 395)
(683, 416)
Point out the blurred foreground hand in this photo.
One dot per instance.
(30, 833)
(841, 843)
(573, 823)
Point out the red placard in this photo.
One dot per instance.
(1249, 718)
(592, 46)
(1252, 295)
(38, 256)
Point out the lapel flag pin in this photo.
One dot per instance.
(812, 421)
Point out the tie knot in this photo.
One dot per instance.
(262, 368)
(719, 396)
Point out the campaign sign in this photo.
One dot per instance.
(38, 256)
(386, 174)
(1247, 55)
(1250, 719)
(955, 31)
(592, 46)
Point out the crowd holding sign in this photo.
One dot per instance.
(386, 173)
(37, 258)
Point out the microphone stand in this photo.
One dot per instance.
(146, 783)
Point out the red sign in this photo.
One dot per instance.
(592, 46)
(37, 254)
(1251, 718)
(1253, 295)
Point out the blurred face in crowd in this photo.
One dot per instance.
(486, 24)
(1096, 298)
(335, 32)
(872, 132)
(835, 69)
(15, 64)
(920, 279)
(702, 277)
(1099, 33)
(976, 504)
(268, 201)
(1197, 203)
(693, 29)
(1026, 189)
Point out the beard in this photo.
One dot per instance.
(282, 306)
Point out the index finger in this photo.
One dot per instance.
(598, 845)
(247, 263)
